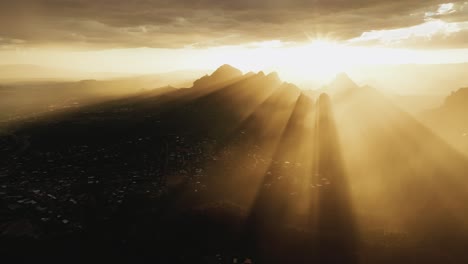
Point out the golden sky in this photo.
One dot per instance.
(294, 36)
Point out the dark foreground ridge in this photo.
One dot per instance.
(238, 167)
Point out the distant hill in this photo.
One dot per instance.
(413, 78)
(457, 100)
(26, 96)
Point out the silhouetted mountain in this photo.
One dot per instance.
(338, 87)
(450, 119)
(222, 74)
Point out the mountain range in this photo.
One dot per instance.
(302, 177)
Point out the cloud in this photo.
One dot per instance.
(427, 30)
(179, 23)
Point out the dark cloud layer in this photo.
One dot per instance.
(178, 23)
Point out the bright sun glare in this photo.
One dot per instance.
(319, 59)
(322, 57)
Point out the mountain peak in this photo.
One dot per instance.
(250, 74)
(227, 70)
(273, 78)
(273, 75)
(341, 83)
(342, 77)
(222, 74)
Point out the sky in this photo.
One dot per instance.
(299, 38)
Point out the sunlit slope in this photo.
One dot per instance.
(399, 170)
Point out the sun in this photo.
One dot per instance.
(318, 59)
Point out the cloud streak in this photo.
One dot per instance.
(180, 23)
